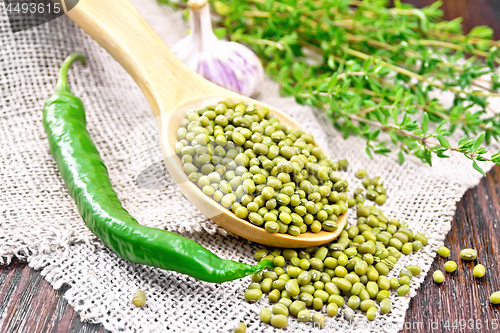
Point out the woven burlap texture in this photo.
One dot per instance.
(40, 223)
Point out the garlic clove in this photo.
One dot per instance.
(229, 64)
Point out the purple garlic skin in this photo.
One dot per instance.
(228, 64)
(239, 70)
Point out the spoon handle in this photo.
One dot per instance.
(124, 33)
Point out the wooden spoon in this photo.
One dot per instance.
(171, 88)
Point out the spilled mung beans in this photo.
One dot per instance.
(352, 269)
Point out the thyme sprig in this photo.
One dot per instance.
(373, 69)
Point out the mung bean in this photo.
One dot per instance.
(479, 271)
(468, 254)
(495, 298)
(444, 252)
(332, 309)
(253, 295)
(318, 318)
(348, 314)
(371, 313)
(265, 315)
(403, 290)
(279, 321)
(438, 276)
(450, 266)
(139, 298)
(240, 328)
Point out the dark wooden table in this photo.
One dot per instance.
(28, 304)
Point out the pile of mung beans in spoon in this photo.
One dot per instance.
(355, 266)
(273, 176)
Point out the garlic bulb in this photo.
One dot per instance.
(229, 64)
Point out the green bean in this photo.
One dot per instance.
(383, 294)
(479, 271)
(353, 302)
(384, 283)
(368, 258)
(385, 305)
(340, 271)
(371, 313)
(332, 309)
(468, 254)
(495, 298)
(254, 286)
(265, 315)
(318, 318)
(270, 274)
(278, 261)
(280, 309)
(372, 274)
(361, 256)
(279, 321)
(294, 271)
(292, 287)
(403, 290)
(331, 288)
(240, 328)
(366, 304)
(286, 302)
(139, 298)
(363, 295)
(405, 272)
(348, 314)
(404, 280)
(414, 269)
(266, 284)
(417, 245)
(253, 295)
(296, 307)
(318, 285)
(318, 303)
(394, 283)
(323, 295)
(420, 237)
(260, 254)
(274, 295)
(316, 263)
(438, 276)
(361, 173)
(372, 289)
(450, 266)
(382, 268)
(257, 277)
(307, 298)
(279, 284)
(337, 299)
(407, 248)
(288, 254)
(443, 252)
(356, 288)
(304, 316)
(304, 278)
(380, 199)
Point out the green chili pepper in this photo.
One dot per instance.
(87, 180)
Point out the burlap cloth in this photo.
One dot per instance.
(40, 223)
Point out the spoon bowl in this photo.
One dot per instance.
(171, 89)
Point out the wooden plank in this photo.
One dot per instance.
(28, 303)
(473, 12)
(461, 297)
